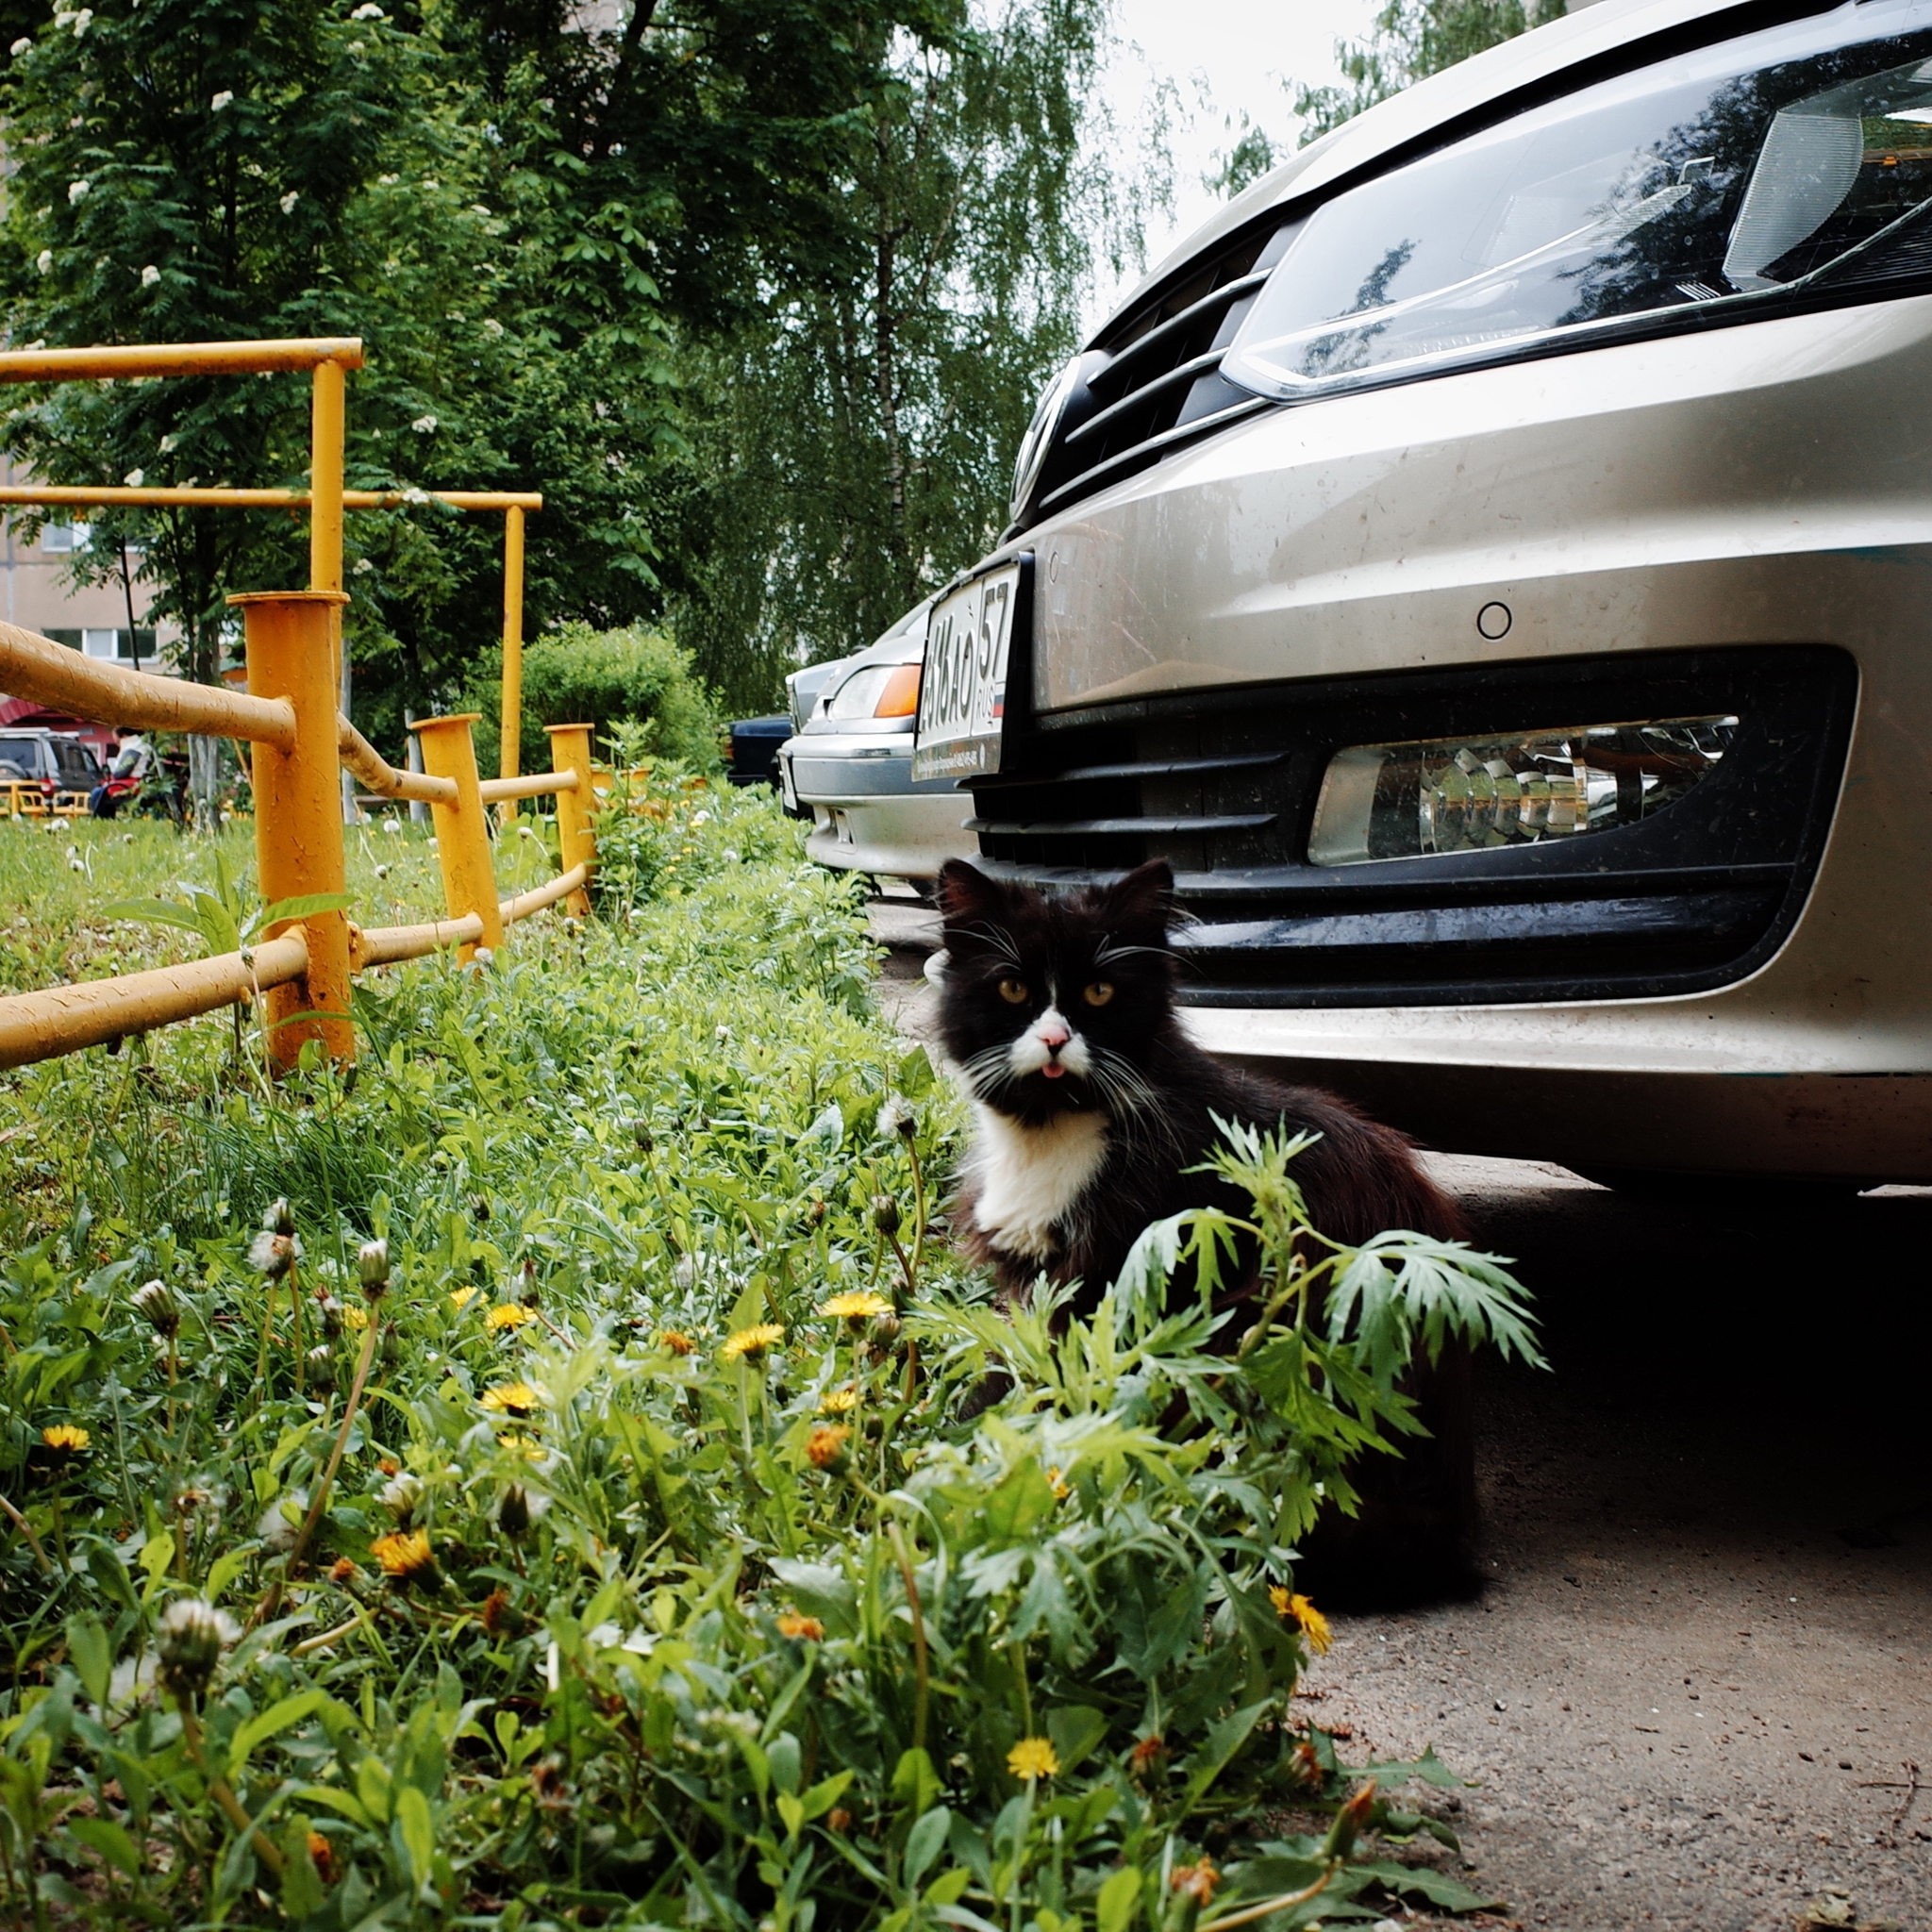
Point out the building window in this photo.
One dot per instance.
(58, 539)
(106, 644)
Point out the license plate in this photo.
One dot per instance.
(963, 689)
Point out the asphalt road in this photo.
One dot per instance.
(1695, 1692)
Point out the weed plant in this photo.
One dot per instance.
(527, 1481)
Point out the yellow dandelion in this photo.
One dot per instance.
(1197, 1882)
(404, 1554)
(748, 1344)
(1058, 1483)
(506, 1317)
(355, 1316)
(839, 1401)
(1300, 1610)
(511, 1398)
(526, 1446)
(1033, 1758)
(858, 1305)
(460, 1298)
(806, 1629)
(66, 1438)
(825, 1448)
(677, 1340)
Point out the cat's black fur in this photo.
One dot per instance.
(1092, 1156)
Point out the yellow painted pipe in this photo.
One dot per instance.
(531, 785)
(179, 359)
(380, 775)
(462, 831)
(548, 893)
(570, 751)
(50, 673)
(63, 1019)
(383, 946)
(510, 718)
(160, 495)
(298, 813)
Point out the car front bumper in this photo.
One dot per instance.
(867, 813)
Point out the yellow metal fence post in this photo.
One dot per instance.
(577, 810)
(511, 716)
(462, 832)
(298, 817)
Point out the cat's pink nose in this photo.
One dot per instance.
(1053, 1037)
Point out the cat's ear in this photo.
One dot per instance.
(973, 907)
(1141, 906)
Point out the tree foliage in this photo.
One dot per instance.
(1410, 41)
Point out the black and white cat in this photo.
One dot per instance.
(1091, 1104)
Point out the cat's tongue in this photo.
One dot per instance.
(1053, 1069)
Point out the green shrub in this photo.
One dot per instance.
(578, 675)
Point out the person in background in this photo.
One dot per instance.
(127, 765)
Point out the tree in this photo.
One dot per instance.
(864, 425)
(1411, 39)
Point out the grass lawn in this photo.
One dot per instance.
(521, 1482)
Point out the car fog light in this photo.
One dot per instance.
(1516, 787)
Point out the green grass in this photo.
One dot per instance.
(604, 1618)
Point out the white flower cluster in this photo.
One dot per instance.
(150, 276)
(368, 10)
(77, 192)
(134, 478)
(220, 100)
(290, 199)
(424, 426)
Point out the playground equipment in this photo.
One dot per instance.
(301, 970)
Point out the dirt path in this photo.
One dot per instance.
(1698, 1675)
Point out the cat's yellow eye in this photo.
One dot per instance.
(1098, 993)
(1013, 991)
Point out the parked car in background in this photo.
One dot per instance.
(755, 743)
(848, 767)
(58, 766)
(1484, 564)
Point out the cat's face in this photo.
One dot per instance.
(1049, 1005)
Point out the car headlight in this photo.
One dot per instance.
(1780, 168)
(877, 690)
(1514, 788)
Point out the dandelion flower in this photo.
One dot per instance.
(511, 1398)
(1314, 1624)
(839, 1401)
(404, 1554)
(676, 1341)
(192, 1636)
(526, 1446)
(344, 1570)
(1058, 1483)
(272, 1254)
(355, 1316)
(460, 1298)
(857, 1304)
(506, 1317)
(1197, 1882)
(825, 1448)
(750, 1343)
(1033, 1758)
(66, 1438)
(805, 1629)
(898, 1116)
(1146, 1755)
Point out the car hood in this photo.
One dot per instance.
(1428, 113)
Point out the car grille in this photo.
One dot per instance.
(1161, 387)
(1222, 786)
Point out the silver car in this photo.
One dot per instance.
(849, 766)
(1484, 562)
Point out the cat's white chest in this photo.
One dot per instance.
(1030, 1177)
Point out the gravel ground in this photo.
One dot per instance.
(1694, 1693)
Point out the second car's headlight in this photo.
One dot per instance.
(1776, 168)
(877, 690)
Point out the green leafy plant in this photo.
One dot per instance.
(622, 1550)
